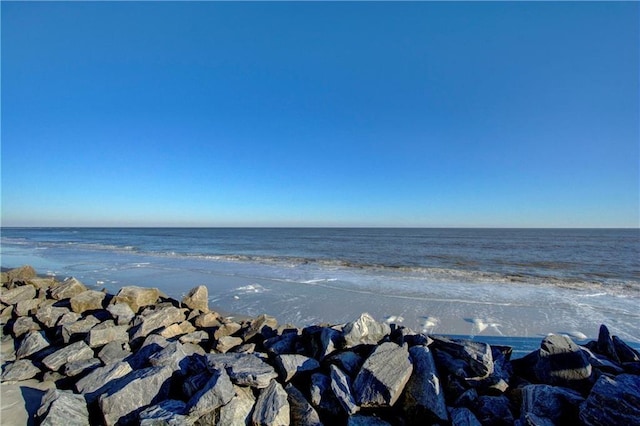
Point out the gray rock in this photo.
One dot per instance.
(67, 289)
(152, 344)
(131, 394)
(49, 315)
(153, 319)
(605, 344)
(24, 325)
(99, 379)
(173, 355)
(137, 297)
(22, 369)
(170, 412)
(341, 387)
(217, 392)
(383, 376)
(100, 337)
(562, 363)
(272, 406)
(121, 313)
(362, 420)
(613, 401)
(197, 298)
(18, 294)
(79, 329)
(238, 410)
(89, 300)
(494, 410)
(75, 368)
(476, 355)
(556, 404)
(348, 361)
(226, 343)
(462, 416)
(291, 365)
(27, 307)
(73, 352)
(113, 352)
(196, 337)
(33, 342)
(263, 325)
(63, 408)
(244, 369)
(424, 396)
(302, 413)
(364, 330)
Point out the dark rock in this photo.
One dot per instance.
(244, 369)
(238, 410)
(100, 379)
(152, 344)
(494, 410)
(561, 362)
(463, 417)
(383, 376)
(217, 392)
(602, 363)
(322, 397)
(302, 413)
(284, 344)
(197, 298)
(556, 404)
(169, 412)
(341, 387)
(613, 401)
(291, 365)
(137, 297)
(477, 355)
(67, 289)
(73, 352)
(33, 342)
(63, 408)
(121, 313)
(605, 344)
(129, 395)
(192, 384)
(364, 330)
(625, 352)
(361, 420)
(424, 397)
(272, 406)
(172, 356)
(18, 294)
(24, 325)
(22, 369)
(348, 361)
(263, 326)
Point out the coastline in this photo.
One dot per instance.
(99, 349)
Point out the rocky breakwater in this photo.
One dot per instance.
(139, 357)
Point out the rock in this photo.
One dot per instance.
(341, 387)
(602, 363)
(63, 408)
(114, 351)
(41, 282)
(553, 403)
(561, 362)
(361, 420)
(68, 318)
(100, 337)
(137, 297)
(227, 330)
(207, 320)
(167, 412)
(197, 298)
(625, 352)
(302, 413)
(18, 294)
(225, 343)
(151, 320)
(476, 355)
(73, 352)
(79, 329)
(217, 392)
(27, 307)
(348, 361)
(99, 379)
(76, 368)
(238, 410)
(33, 342)
(613, 401)
(131, 394)
(197, 337)
(22, 369)
(49, 315)
(89, 300)
(174, 330)
(494, 410)
(383, 376)
(424, 396)
(322, 396)
(244, 369)
(605, 344)
(291, 365)
(364, 330)
(171, 356)
(325, 342)
(152, 344)
(67, 289)
(121, 313)
(463, 417)
(24, 325)
(272, 406)
(23, 273)
(263, 325)
(284, 344)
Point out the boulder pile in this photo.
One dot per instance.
(140, 357)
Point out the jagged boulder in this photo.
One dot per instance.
(22, 369)
(23, 273)
(272, 406)
(291, 365)
(101, 336)
(18, 294)
(100, 379)
(424, 395)
(561, 362)
(121, 313)
(89, 300)
(302, 413)
(244, 369)
(216, 392)
(613, 401)
(67, 289)
(476, 357)
(197, 298)
(342, 389)
(33, 342)
(137, 297)
(153, 319)
(238, 410)
(167, 412)
(63, 408)
(553, 403)
(364, 330)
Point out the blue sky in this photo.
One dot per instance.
(320, 114)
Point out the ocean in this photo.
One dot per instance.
(466, 282)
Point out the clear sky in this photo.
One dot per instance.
(320, 114)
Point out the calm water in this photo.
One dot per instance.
(511, 281)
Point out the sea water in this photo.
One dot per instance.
(469, 282)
